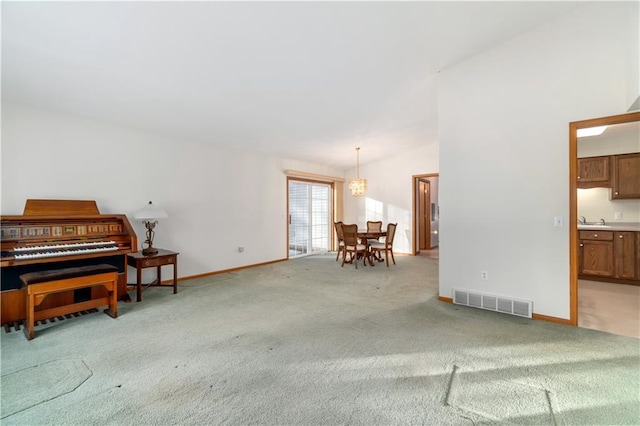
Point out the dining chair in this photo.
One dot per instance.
(340, 236)
(386, 245)
(352, 245)
(374, 226)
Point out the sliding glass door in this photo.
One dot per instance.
(309, 217)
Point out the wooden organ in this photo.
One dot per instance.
(53, 234)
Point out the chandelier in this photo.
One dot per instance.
(358, 186)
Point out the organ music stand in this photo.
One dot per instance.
(149, 215)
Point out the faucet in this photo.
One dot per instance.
(582, 220)
(602, 222)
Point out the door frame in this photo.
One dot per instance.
(415, 179)
(332, 198)
(573, 199)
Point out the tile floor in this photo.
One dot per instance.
(614, 308)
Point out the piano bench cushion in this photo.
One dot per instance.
(65, 273)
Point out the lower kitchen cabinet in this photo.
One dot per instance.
(609, 254)
(626, 258)
(596, 253)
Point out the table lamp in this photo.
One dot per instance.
(149, 215)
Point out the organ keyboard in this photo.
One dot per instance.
(54, 234)
(56, 250)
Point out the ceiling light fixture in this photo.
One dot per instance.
(591, 131)
(358, 186)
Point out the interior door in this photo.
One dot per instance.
(309, 207)
(424, 228)
(425, 213)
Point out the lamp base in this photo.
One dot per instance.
(149, 251)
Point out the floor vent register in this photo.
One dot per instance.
(507, 305)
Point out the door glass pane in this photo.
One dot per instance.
(298, 218)
(319, 218)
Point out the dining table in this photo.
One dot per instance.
(364, 237)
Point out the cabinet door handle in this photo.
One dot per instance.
(581, 245)
(595, 235)
(616, 192)
(619, 236)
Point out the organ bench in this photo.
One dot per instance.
(41, 284)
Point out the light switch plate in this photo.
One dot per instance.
(558, 221)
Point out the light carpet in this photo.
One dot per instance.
(306, 342)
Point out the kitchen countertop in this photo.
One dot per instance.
(612, 226)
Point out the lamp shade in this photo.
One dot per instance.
(150, 212)
(358, 187)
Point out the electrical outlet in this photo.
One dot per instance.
(484, 275)
(240, 249)
(617, 215)
(558, 221)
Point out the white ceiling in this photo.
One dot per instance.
(309, 81)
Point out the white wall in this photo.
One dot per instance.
(631, 24)
(390, 187)
(594, 204)
(504, 165)
(217, 198)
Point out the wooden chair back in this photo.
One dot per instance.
(374, 226)
(391, 233)
(339, 232)
(350, 234)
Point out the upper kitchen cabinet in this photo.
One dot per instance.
(625, 176)
(594, 172)
(608, 155)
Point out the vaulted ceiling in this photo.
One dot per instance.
(304, 80)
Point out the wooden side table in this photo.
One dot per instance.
(162, 258)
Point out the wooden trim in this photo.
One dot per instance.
(573, 203)
(414, 189)
(445, 299)
(224, 271)
(573, 224)
(608, 121)
(324, 178)
(552, 319)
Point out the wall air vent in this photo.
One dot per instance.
(507, 305)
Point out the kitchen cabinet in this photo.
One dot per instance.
(626, 255)
(596, 253)
(614, 255)
(594, 172)
(625, 176)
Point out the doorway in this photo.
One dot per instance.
(426, 215)
(600, 295)
(309, 207)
